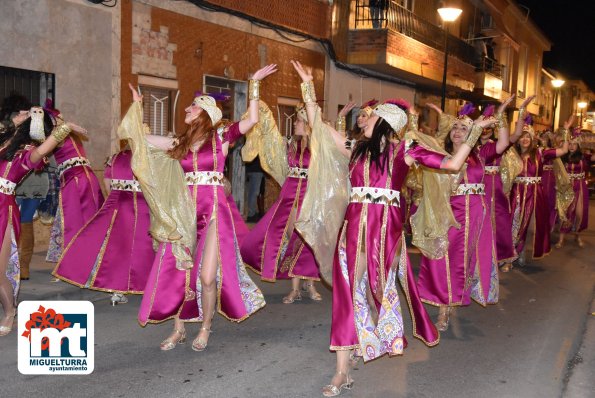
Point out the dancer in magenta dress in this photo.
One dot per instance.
(527, 197)
(113, 252)
(370, 252)
(577, 165)
(198, 268)
(80, 195)
(548, 180)
(496, 196)
(469, 268)
(273, 248)
(19, 155)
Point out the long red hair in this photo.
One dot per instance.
(201, 130)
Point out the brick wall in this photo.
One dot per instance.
(220, 47)
(308, 16)
(413, 56)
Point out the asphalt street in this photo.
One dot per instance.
(538, 341)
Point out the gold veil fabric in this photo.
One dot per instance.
(326, 199)
(173, 215)
(445, 124)
(434, 216)
(265, 141)
(511, 165)
(564, 192)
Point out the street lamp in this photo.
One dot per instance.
(556, 83)
(581, 105)
(447, 14)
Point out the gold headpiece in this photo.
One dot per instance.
(395, 116)
(208, 103)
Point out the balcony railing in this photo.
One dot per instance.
(489, 65)
(388, 14)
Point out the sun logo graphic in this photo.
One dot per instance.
(56, 337)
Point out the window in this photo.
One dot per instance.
(157, 109)
(35, 86)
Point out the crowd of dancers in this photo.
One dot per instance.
(170, 230)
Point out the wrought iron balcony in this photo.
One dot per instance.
(388, 14)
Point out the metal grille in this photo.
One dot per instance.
(35, 86)
(157, 109)
(390, 14)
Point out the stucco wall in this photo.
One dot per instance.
(79, 43)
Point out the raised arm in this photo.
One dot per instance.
(309, 97)
(502, 126)
(58, 135)
(456, 162)
(159, 141)
(254, 95)
(341, 123)
(518, 129)
(566, 132)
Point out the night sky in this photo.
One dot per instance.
(569, 26)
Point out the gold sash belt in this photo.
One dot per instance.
(125, 185)
(204, 178)
(470, 189)
(70, 163)
(375, 196)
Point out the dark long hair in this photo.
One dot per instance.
(378, 155)
(12, 143)
(574, 157)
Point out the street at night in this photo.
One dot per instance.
(297, 198)
(538, 341)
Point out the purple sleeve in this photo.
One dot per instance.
(26, 162)
(107, 173)
(424, 156)
(488, 152)
(548, 154)
(232, 133)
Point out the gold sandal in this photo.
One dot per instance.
(199, 345)
(443, 318)
(312, 293)
(4, 330)
(170, 343)
(294, 295)
(332, 390)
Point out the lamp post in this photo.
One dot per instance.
(556, 84)
(581, 106)
(447, 14)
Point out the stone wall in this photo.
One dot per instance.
(79, 43)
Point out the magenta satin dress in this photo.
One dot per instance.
(372, 236)
(499, 206)
(113, 252)
(469, 269)
(239, 224)
(11, 174)
(528, 199)
(80, 195)
(548, 181)
(273, 249)
(169, 291)
(577, 173)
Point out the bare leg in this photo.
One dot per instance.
(560, 241)
(178, 336)
(295, 294)
(208, 280)
(6, 291)
(579, 241)
(341, 379)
